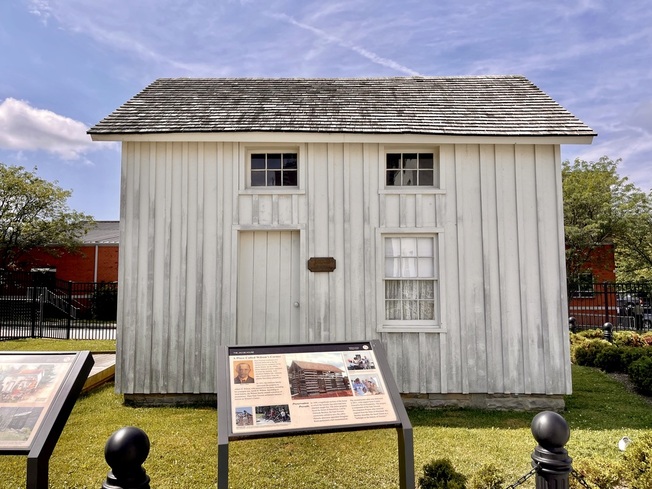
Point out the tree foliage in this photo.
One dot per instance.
(33, 213)
(602, 207)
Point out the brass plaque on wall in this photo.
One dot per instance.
(325, 264)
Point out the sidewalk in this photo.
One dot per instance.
(103, 370)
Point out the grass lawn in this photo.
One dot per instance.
(184, 441)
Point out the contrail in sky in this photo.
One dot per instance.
(373, 57)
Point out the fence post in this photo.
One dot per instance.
(572, 324)
(550, 459)
(125, 451)
(605, 292)
(69, 319)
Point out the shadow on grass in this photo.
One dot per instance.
(598, 402)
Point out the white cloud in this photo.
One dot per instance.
(26, 128)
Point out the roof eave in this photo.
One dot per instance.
(319, 137)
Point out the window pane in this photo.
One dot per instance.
(426, 289)
(257, 178)
(427, 310)
(257, 161)
(425, 247)
(410, 289)
(408, 246)
(425, 178)
(393, 289)
(290, 178)
(392, 247)
(393, 161)
(425, 160)
(392, 267)
(393, 310)
(290, 161)
(410, 161)
(274, 178)
(426, 267)
(408, 267)
(274, 161)
(410, 310)
(393, 177)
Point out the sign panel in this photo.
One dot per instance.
(306, 387)
(28, 386)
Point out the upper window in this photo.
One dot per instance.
(274, 170)
(582, 285)
(411, 284)
(410, 169)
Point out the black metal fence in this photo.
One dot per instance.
(627, 306)
(38, 305)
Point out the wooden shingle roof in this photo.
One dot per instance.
(319, 367)
(479, 106)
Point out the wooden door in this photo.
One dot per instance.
(269, 308)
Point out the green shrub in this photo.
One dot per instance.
(600, 473)
(640, 373)
(440, 474)
(630, 354)
(587, 352)
(610, 360)
(488, 477)
(637, 463)
(591, 334)
(628, 338)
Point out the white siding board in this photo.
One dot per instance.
(355, 253)
(455, 354)
(371, 214)
(529, 269)
(508, 269)
(491, 258)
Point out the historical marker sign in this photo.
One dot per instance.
(37, 393)
(284, 390)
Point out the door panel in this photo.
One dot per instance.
(268, 287)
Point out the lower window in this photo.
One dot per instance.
(411, 279)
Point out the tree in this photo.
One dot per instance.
(33, 213)
(602, 207)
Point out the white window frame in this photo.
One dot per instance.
(409, 326)
(413, 189)
(245, 168)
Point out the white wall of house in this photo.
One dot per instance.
(205, 260)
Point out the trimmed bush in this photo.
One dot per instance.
(488, 477)
(591, 334)
(610, 360)
(640, 373)
(440, 474)
(628, 338)
(601, 473)
(637, 463)
(587, 352)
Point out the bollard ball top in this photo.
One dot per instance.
(550, 430)
(127, 447)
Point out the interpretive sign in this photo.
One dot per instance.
(284, 390)
(306, 387)
(37, 393)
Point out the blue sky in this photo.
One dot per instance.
(66, 64)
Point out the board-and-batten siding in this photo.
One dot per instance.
(501, 272)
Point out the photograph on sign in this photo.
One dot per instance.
(27, 387)
(307, 388)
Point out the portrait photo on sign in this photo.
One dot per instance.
(243, 372)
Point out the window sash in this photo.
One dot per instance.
(273, 169)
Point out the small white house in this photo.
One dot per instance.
(423, 211)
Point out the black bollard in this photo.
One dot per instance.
(607, 331)
(550, 459)
(572, 324)
(125, 451)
